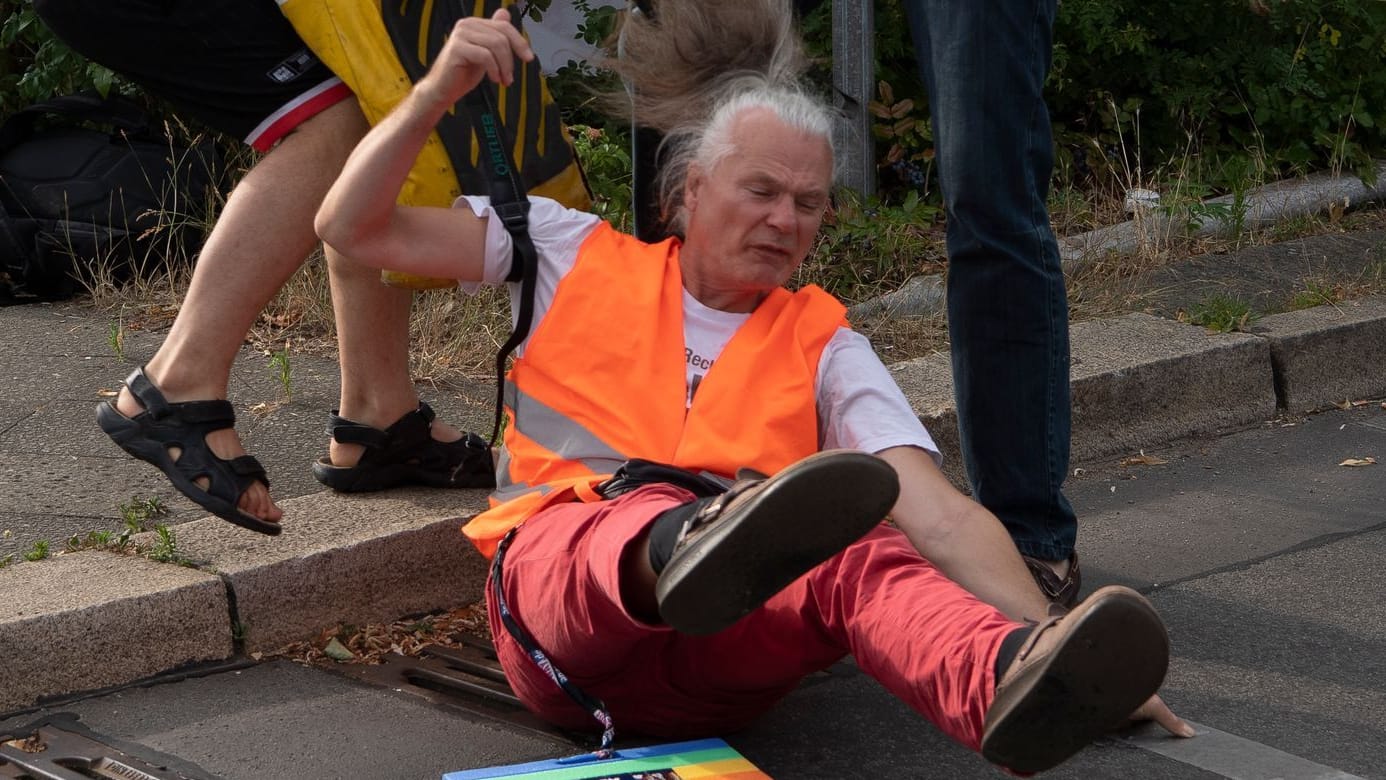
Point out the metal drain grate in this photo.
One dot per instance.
(467, 678)
(470, 679)
(58, 747)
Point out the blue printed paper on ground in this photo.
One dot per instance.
(704, 759)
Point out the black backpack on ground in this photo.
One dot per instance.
(90, 189)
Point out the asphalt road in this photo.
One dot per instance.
(1260, 550)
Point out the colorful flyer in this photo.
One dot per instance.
(704, 759)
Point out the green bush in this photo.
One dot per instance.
(1246, 86)
(1293, 84)
(34, 65)
(606, 163)
(1251, 88)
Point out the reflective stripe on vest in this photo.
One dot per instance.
(603, 379)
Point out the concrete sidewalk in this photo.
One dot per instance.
(92, 619)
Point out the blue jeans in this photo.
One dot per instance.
(984, 63)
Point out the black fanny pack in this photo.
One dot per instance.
(638, 472)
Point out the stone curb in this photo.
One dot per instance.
(95, 619)
(359, 559)
(1140, 381)
(92, 619)
(1137, 381)
(1328, 354)
(89, 620)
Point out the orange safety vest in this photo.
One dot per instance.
(603, 379)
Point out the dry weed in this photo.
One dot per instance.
(370, 644)
(301, 312)
(902, 338)
(159, 279)
(454, 336)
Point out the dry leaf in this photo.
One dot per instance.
(1143, 460)
(1346, 404)
(264, 409)
(370, 644)
(104, 393)
(879, 109)
(281, 320)
(30, 744)
(1359, 462)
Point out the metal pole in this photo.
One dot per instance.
(854, 82)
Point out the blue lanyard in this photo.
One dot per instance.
(588, 702)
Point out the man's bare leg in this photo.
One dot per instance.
(262, 236)
(373, 339)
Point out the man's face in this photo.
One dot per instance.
(752, 219)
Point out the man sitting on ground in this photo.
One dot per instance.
(672, 605)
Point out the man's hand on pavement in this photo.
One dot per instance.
(1155, 709)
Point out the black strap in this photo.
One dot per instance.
(511, 204)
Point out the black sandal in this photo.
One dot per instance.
(162, 425)
(406, 454)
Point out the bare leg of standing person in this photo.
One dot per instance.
(262, 237)
(373, 332)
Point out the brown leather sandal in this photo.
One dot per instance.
(1063, 592)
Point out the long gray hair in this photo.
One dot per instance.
(694, 66)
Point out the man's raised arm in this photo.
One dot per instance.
(360, 217)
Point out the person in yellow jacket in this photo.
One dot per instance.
(240, 68)
(646, 571)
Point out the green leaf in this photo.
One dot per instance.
(337, 651)
(101, 79)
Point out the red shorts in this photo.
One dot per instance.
(236, 66)
(927, 640)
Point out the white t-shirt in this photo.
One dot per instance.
(859, 405)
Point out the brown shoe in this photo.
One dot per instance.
(1063, 592)
(1077, 677)
(749, 543)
